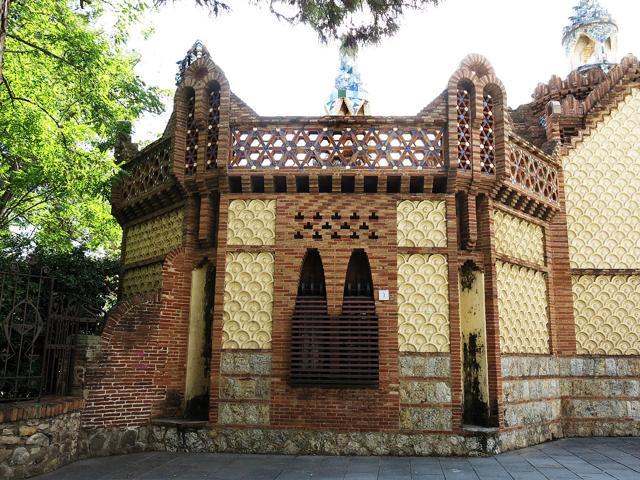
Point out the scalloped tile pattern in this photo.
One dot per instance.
(248, 301)
(422, 224)
(607, 314)
(142, 279)
(252, 222)
(518, 238)
(522, 307)
(154, 237)
(423, 303)
(602, 178)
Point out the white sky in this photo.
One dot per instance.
(282, 70)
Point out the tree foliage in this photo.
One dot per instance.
(92, 279)
(65, 89)
(354, 22)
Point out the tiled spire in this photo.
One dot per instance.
(590, 39)
(348, 96)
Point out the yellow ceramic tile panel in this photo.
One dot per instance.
(602, 184)
(423, 303)
(142, 279)
(252, 222)
(518, 238)
(154, 237)
(248, 301)
(422, 224)
(607, 314)
(522, 307)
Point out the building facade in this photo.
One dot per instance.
(459, 281)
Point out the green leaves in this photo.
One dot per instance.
(66, 86)
(354, 22)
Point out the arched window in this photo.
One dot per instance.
(487, 135)
(191, 150)
(334, 351)
(465, 94)
(358, 326)
(213, 119)
(310, 353)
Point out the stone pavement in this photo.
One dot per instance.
(577, 459)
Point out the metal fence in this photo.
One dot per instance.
(38, 326)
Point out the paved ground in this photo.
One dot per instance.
(577, 459)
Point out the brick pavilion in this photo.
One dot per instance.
(463, 280)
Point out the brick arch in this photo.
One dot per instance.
(199, 76)
(477, 63)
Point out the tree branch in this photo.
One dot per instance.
(15, 98)
(39, 48)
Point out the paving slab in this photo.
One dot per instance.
(567, 459)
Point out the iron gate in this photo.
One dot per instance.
(37, 332)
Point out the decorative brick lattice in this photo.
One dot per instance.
(147, 172)
(422, 224)
(607, 314)
(357, 147)
(252, 222)
(336, 225)
(518, 238)
(532, 174)
(213, 130)
(463, 114)
(191, 153)
(142, 279)
(423, 303)
(154, 237)
(522, 307)
(602, 178)
(248, 301)
(487, 143)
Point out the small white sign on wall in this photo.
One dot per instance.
(383, 295)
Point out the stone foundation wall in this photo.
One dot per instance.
(531, 400)
(276, 441)
(425, 392)
(38, 437)
(245, 388)
(601, 396)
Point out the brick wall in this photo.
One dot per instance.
(141, 366)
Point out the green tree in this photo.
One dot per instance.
(354, 22)
(65, 88)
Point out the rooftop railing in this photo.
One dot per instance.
(372, 147)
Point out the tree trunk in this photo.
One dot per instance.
(4, 20)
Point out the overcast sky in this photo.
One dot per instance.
(283, 70)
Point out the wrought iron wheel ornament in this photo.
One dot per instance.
(38, 327)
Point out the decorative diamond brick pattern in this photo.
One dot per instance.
(213, 130)
(487, 140)
(147, 172)
(357, 147)
(532, 174)
(463, 114)
(191, 153)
